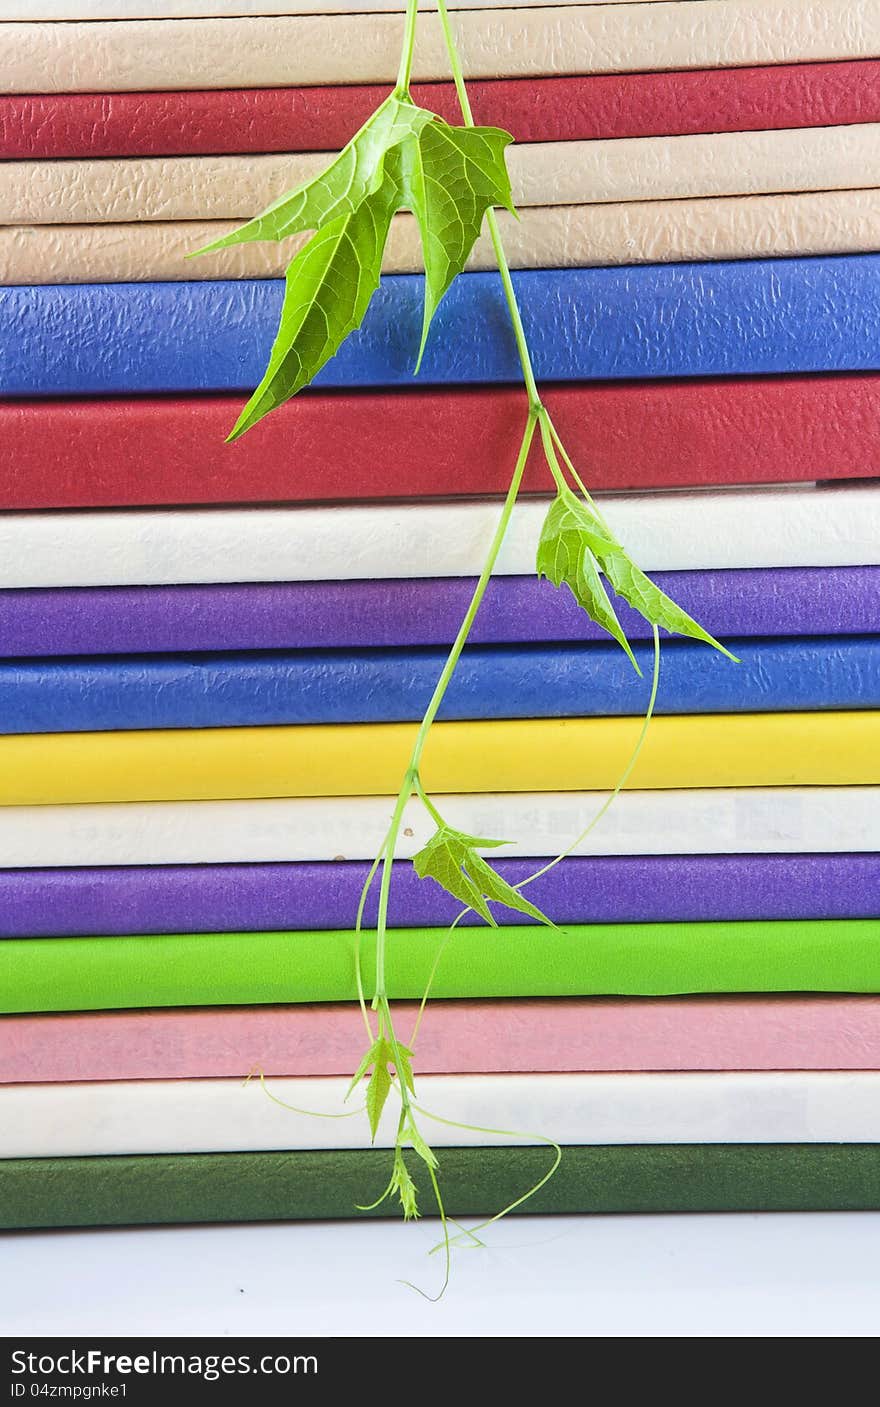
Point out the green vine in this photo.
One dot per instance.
(451, 179)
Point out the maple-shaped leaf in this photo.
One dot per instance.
(564, 557)
(452, 176)
(328, 288)
(403, 158)
(379, 1084)
(450, 858)
(575, 545)
(352, 176)
(380, 1057)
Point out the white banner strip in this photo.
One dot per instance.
(207, 1116)
(735, 821)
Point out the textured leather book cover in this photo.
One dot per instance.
(118, 620)
(519, 755)
(721, 821)
(389, 686)
(32, 10)
(245, 969)
(205, 1187)
(250, 898)
(578, 108)
(542, 174)
(730, 318)
(564, 236)
(803, 526)
(794, 1032)
(632, 435)
(325, 49)
(119, 1117)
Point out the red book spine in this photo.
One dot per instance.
(544, 110)
(350, 446)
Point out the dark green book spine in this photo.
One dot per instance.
(220, 1187)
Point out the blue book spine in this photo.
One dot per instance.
(714, 319)
(381, 686)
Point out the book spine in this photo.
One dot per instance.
(665, 434)
(119, 620)
(250, 898)
(742, 318)
(315, 1185)
(236, 969)
(580, 108)
(393, 686)
(822, 1032)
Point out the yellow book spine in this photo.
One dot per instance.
(580, 754)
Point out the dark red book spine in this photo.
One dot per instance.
(349, 446)
(544, 110)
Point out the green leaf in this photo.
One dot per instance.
(403, 1185)
(451, 859)
(573, 547)
(565, 555)
(373, 1054)
(403, 1058)
(404, 157)
(426, 1153)
(328, 289)
(630, 582)
(379, 1087)
(452, 176)
(354, 174)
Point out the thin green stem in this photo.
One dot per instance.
(503, 1133)
(622, 779)
(387, 856)
(550, 452)
(404, 72)
(410, 781)
(479, 591)
(429, 805)
(358, 929)
(492, 219)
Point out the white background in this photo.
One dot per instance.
(748, 1275)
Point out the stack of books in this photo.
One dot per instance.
(214, 657)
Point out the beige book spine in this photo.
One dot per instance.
(573, 236)
(288, 50)
(542, 173)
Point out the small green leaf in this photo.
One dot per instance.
(630, 582)
(328, 288)
(452, 176)
(353, 175)
(574, 542)
(426, 1153)
(403, 1185)
(373, 1054)
(403, 1058)
(379, 1088)
(379, 1085)
(451, 859)
(564, 555)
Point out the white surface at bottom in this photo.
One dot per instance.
(761, 1275)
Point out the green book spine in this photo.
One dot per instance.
(638, 959)
(218, 1187)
